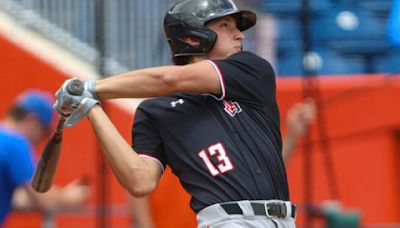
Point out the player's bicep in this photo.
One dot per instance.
(200, 77)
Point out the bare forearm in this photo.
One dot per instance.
(71, 195)
(288, 146)
(138, 84)
(160, 81)
(141, 212)
(26, 198)
(133, 172)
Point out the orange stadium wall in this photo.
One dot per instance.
(361, 118)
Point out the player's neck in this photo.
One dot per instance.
(9, 123)
(21, 127)
(198, 58)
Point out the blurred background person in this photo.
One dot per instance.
(140, 211)
(394, 23)
(25, 125)
(298, 119)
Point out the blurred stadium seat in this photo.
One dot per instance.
(289, 57)
(381, 7)
(289, 7)
(335, 62)
(347, 23)
(389, 63)
(290, 61)
(348, 35)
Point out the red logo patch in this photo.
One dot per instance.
(232, 107)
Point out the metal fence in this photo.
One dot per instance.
(134, 36)
(133, 28)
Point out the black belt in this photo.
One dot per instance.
(275, 209)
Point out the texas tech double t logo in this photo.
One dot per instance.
(231, 107)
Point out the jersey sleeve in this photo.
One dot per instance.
(146, 138)
(246, 77)
(20, 162)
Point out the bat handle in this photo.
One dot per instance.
(75, 87)
(59, 129)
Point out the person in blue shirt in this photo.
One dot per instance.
(26, 123)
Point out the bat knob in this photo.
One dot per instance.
(75, 87)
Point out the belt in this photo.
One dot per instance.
(269, 209)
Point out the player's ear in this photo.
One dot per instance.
(193, 41)
(30, 117)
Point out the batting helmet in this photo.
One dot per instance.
(188, 18)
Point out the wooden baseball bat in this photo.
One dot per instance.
(48, 162)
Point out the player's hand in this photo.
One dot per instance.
(300, 116)
(75, 107)
(65, 103)
(74, 194)
(81, 111)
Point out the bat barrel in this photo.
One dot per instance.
(47, 165)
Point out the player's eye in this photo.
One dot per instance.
(224, 24)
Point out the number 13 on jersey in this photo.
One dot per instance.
(224, 163)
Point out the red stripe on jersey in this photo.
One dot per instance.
(220, 76)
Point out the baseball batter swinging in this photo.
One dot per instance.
(214, 121)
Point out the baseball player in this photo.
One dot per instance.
(214, 121)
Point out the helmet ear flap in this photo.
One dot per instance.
(177, 38)
(199, 35)
(207, 39)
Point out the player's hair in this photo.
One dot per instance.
(36, 102)
(188, 18)
(17, 113)
(182, 60)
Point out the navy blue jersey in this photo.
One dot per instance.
(224, 147)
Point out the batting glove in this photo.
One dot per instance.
(90, 87)
(86, 104)
(75, 107)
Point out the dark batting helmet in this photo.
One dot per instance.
(188, 18)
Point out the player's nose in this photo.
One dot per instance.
(238, 35)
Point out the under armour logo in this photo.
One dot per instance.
(232, 107)
(174, 103)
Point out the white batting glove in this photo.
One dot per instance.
(75, 106)
(65, 104)
(86, 104)
(90, 87)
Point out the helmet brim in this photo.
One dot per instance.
(245, 19)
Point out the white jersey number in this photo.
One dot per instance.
(217, 150)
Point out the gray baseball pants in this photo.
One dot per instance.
(217, 216)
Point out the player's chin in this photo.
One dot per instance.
(226, 54)
(235, 51)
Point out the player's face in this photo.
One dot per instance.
(229, 38)
(35, 131)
